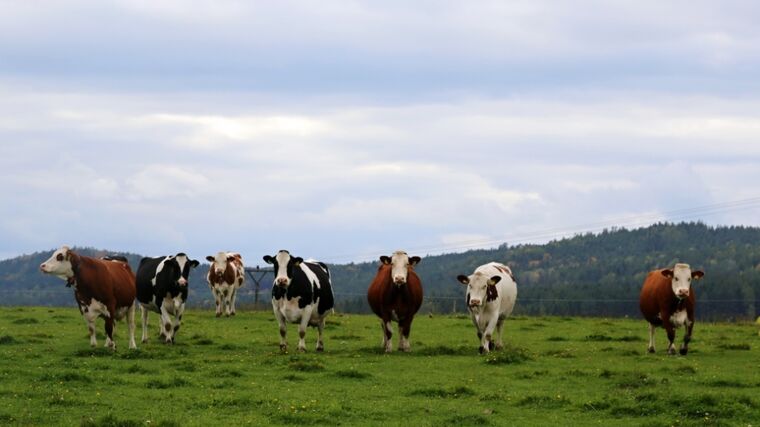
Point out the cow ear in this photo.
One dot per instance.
(210, 258)
(194, 263)
(667, 273)
(297, 261)
(385, 259)
(463, 279)
(414, 260)
(697, 274)
(494, 280)
(268, 259)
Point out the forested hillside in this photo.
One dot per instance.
(592, 274)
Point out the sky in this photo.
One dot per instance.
(345, 130)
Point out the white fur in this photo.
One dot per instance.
(489, 315)
(681, 278)
(679, 318)
(225, 293)
(61, 269)
(399, 266)
(287, 311)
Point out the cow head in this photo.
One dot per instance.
(479, 286)
(219, 264)
(60, 263)
(283, 264)
(680, 279)
(177, 268)
(400, 264)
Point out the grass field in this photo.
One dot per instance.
(555, 371)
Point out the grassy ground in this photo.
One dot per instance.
(560, 371)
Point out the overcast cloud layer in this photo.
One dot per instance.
(343, 130)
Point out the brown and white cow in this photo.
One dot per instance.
(396, 294)
(491, 295)
(226, 275)
(102, 288)
(667, 299)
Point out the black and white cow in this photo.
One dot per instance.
(301, 293)
(162, 288)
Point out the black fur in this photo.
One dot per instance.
(166, 280)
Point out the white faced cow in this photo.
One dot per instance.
(491, 295)
(226, 275)
(301, 293)
(102, 288)
(162, 288)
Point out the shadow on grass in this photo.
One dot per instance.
(444, 393)
(7, 339)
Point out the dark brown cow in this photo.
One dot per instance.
(225, 276)
(396, 294)
(668, 300)
(102, 288)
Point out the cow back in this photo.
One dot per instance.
(324, 292)
(110, 282)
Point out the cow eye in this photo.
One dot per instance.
(675, 278)
(59, 257)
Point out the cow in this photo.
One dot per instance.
(102, 288)
(490, 298)
(396, 294)
(668, 300)
(226, 275)
(301, 293)
(162, 284)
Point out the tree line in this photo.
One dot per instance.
(587, 275)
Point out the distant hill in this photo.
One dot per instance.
(590, 274)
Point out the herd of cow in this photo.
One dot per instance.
(302, 293)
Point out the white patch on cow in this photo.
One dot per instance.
(159, 268)
(60, 268)
(679, 318)
(121, 312)
(681, 281)
(488, 316)
(283, 258)
(399, 267)
(394, 316)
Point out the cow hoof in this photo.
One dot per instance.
(144, 340)
(650, 349)
(301, 349)
(320, 349)
(283, 348)
(481, 350)
(671, 351)
(491, 345)
(684, 351)
(232, 314)
(218, 314)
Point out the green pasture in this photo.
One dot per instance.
(229, 371)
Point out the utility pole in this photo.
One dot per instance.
(257, 275)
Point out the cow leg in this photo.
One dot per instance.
(144, 314)
(283, 328)
(232, 301)
(404, 328)
(166, 323)
(131, 325)
(109, 330)
(671, 331)
(385, 324)
(226, 302)
(499, 344)
(89, 318)
(302, 329)
(320, 328)
(650, 348)
(177, 319)
(687, 337)
(477, 329)
(218, 298)
(485, 343)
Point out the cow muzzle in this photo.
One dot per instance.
(42, 268)
(683, 293)
(399, 280)
(474, 303)
(182, 281)
(281, 281)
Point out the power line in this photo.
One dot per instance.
(559, 232)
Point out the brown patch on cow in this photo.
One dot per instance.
(230, 275)
(385, 298)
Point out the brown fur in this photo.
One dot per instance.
(229, 275)
(657, 298)
(110, 282)
(385, 297)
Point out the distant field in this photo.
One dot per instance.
(556, 371)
